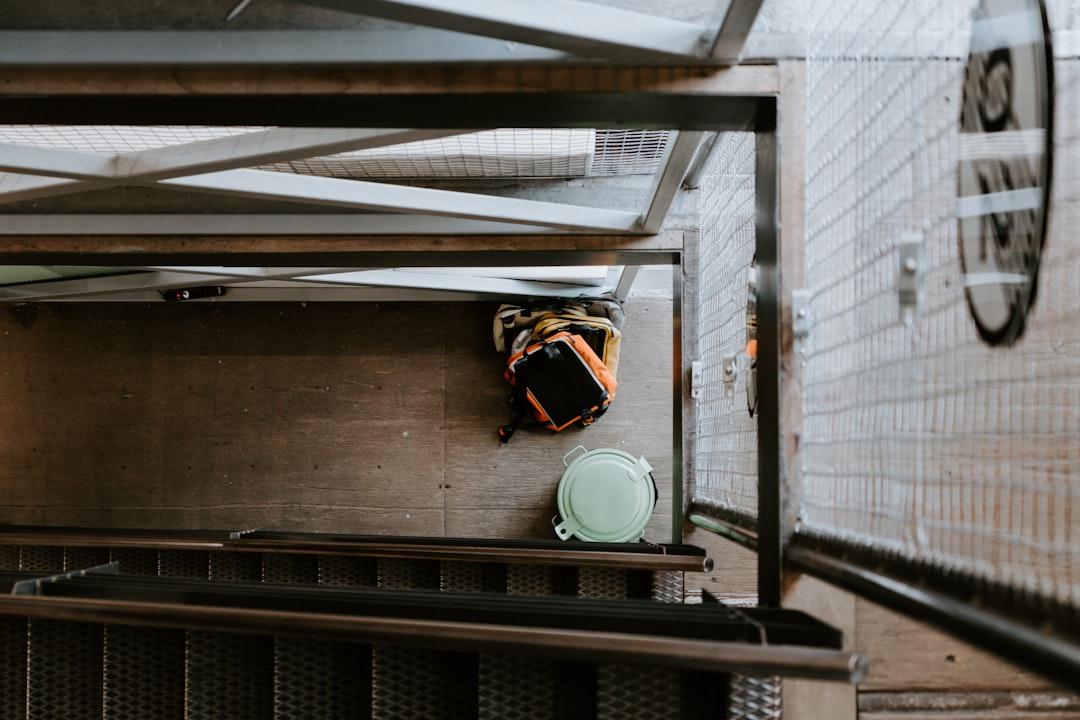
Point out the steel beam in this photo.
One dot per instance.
(172, 48)
(137, 280)
(55, 162)
(382, 197)
(261, 148)
(770, 448)
(15, 187)
(236, 224)
(678, 155)
(627, 275)
(580, 28)
(728, 36)
(98, 170)
(456, 283)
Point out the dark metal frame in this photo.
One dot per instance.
(637, 109)
(1021, 626)
(709, 638)
(626, 556)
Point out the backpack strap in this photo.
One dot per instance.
(520, 404)
(507, 431)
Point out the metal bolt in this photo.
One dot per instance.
(911, 265)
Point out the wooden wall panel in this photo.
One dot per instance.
(980, 705)
(907, 655)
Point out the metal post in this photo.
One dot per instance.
(770, 546)
(677, 492)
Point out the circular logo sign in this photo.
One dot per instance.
(1004, 152)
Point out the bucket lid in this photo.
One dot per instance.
(606, 495)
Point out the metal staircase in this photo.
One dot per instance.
(226, 625)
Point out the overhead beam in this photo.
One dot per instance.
(98, 170)
(262, 148)
(142, 281)
(678, 155)
(627, 275)
(260, 88)
(663, 98)
(383, 197)
(728, 35)
(456, 283)
(275, 292)
(579, 28)
(15, 187)
(56, 162)
(102, 286)
(238, 224)
(223, 153)
(347, 251)
(302, 48)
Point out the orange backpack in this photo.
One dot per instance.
(559, 380)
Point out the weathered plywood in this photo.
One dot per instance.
(339, 417)
(992, 705)
(907, 655)
(807, 699)
(199, 415)
(734, 574)
(391, 81)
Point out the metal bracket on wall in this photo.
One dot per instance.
(800, 317)
(909, 274)
(696, 379)
(730, 371)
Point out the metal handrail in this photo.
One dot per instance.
(628, 556)
(571, 645)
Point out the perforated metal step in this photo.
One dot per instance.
(143, 673)
(229, 676)
(64, 670)
(325, 680)
(422, 684)
(13, 667)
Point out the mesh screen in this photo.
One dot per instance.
(500, 153)
(919, 440)
(725, 466)
(113, 138)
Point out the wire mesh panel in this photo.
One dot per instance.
(920, 442)
(725, 466)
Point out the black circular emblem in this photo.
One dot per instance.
(1005, 152)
